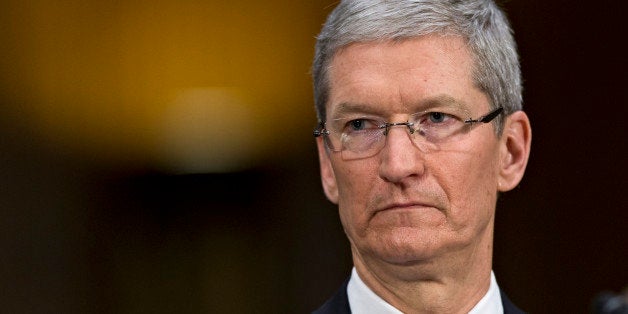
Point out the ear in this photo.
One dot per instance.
(328, 176)
(514, 151)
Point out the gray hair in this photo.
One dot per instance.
(481, 23)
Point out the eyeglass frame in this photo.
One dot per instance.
(322, 131)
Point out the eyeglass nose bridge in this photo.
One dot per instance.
(386, 126)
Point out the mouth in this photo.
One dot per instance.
(407, 215)
(405, 207)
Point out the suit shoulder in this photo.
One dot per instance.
(337, 304)
(509, 307)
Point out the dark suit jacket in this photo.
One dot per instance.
(339, 303)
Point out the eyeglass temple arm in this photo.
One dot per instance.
(487, 118)
(320, 130)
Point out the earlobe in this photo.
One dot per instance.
(328, 177)
(515, 150)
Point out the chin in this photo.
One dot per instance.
(405, 246)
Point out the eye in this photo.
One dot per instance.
(437, 117)
(360, 125)
(357, 124)
(436, 120)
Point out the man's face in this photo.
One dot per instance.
(404, 204)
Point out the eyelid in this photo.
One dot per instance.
(451, 113)
(358, 116)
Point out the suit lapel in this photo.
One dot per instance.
(509, 307)
(338, 304)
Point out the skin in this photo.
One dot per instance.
(420, 223)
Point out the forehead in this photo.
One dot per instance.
(399, 76)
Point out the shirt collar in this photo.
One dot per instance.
(491, 303)
(363, 300)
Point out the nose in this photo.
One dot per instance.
(400, 158)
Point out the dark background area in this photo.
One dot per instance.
(80, 233)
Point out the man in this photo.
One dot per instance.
(421, 127)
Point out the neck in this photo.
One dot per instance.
(451, 283)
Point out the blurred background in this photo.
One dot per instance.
(157, 157)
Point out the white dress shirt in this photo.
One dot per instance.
(363, 300)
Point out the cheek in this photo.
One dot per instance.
(355, 187)
(471, 187)
(355, 180)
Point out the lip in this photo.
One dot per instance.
(401, 206)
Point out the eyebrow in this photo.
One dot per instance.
(438, 101)
(352, 108)
(444, 101)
